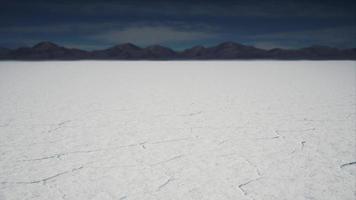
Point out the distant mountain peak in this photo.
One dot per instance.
(319, 47)
(46, 45)
(230, 44)
(126, 46)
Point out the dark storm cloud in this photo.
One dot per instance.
(94, 24)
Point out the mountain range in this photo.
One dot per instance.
(127, 51)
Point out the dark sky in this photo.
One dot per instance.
(180, 24)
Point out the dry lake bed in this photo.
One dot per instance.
(246, 130)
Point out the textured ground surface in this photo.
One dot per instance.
(254, 130)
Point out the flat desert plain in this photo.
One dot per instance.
(197, 130)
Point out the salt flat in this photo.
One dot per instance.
(247, 130)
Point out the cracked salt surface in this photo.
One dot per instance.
(256, 130)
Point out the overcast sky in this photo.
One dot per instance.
(181, 24)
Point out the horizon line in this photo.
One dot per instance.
(175, 50)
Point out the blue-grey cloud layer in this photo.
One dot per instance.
(97, 24)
